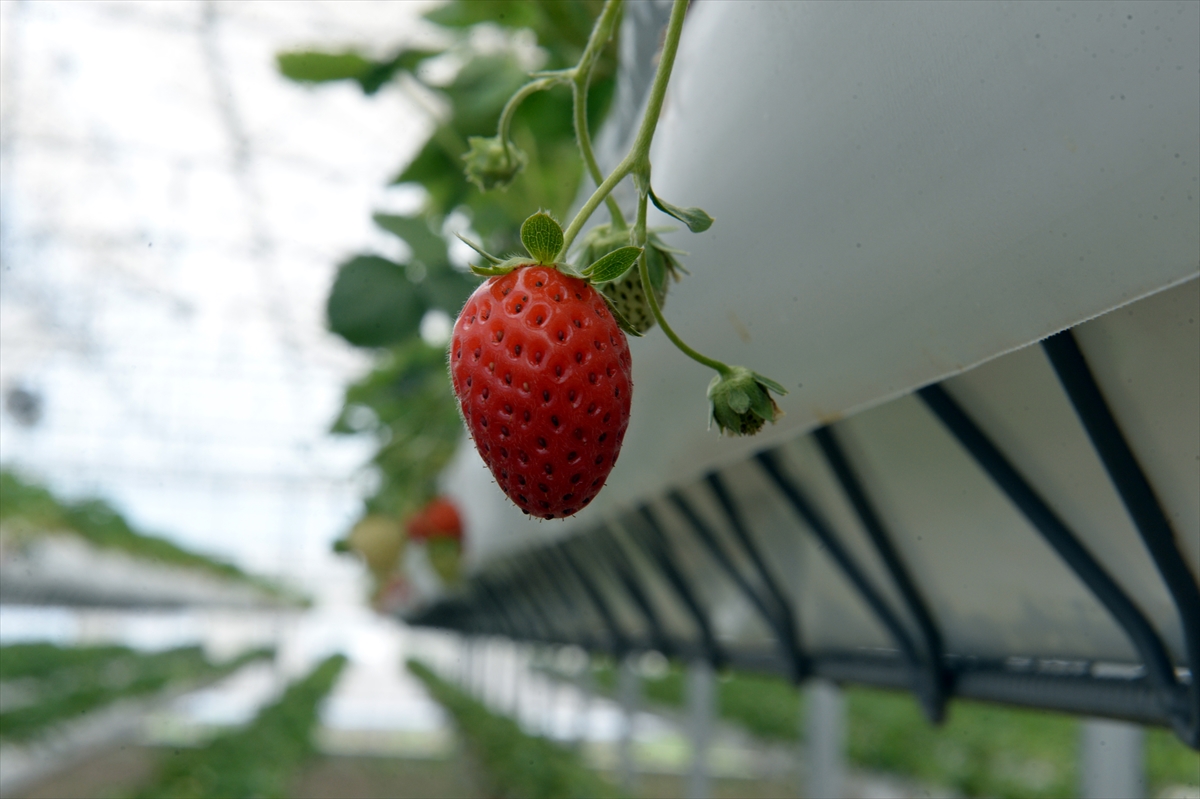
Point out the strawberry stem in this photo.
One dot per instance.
(510, 108)
(637, 160)
(639, 236)
(581, 79)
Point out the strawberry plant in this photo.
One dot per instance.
(511, 143)
(523, 342)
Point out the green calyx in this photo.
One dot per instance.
(492, 163)
(740, 401)
(543, 237)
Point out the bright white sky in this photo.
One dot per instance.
(173, 212)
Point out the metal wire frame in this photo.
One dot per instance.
(521, 592)
(771, 610)
(1139, 498)
(654, 544)
(608, 547)
(1143, 636)
(619, 639)
(805, 509)
(1157, 696)
(936, 680)
(792, 639)
(542, 568)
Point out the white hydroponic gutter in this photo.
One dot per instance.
(902, 191)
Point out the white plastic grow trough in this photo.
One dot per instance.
(909, 197)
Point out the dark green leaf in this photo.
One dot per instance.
(440, 174)
(373, 303)
(542, 237)
(427, 247)
(613, 265)
(446, 288)
(508, 13)
(309, 66)
(316, 67)
(695, 218)
(480, 90)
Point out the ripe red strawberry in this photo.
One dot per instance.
(542, 374)
(438, 519)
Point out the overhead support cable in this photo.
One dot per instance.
(1137, 627)
(937, 681)
(791, 625)
(1138, 495)
(772, 612)
(608, 545)
(654, 543)
(841, 556)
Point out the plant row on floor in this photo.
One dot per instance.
(516, 764)
(257, 760)
(47, 685)
(981, 749)
(27, 510)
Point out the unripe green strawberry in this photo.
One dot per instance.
(542, 373)
(626, 292)
(629, 298)
(379, 540)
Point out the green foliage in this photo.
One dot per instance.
(415, 417)
(981, 750)
(316, 67)
(29, 510)
(373, 303)
(379, 304)
(258, 760)
(56, 684)
(517, 764)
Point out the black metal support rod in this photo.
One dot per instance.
(515, 607)
(619, 639)
(654, 544)
(552, 576)
(509, 627)
(937, 680)
(522, 589)
(607, 545)
(1140, 632)
(771, 612)
(791, 625)
(841, 556)
(1137, 494)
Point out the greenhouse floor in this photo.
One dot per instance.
(122, 769)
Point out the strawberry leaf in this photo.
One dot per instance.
(613, 265)
(695, 218)
(542, 236)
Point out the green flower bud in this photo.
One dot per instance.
(491, 164)
(740, 402)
